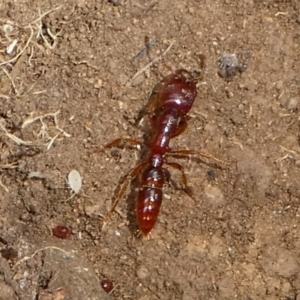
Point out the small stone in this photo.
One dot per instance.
(293, 104)
(98, 84)
(142, 272)
(214, 196)
(92, 210)
(279, 85)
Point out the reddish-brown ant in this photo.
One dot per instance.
(170, 102)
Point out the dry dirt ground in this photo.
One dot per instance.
(68, 86)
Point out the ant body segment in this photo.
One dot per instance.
(170, 102)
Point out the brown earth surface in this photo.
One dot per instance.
(73, 78)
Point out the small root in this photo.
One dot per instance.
(1, 184)
(42, 249)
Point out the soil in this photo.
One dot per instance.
(75, 76)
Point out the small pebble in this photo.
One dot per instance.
(142, 272)
(279, 85)
(293, 104)
(213, 196)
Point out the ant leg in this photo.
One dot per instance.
(128, 178)
(185, 153)
(123, 142)
(183, 177)
(154, 100)
(181, 126)
(167, 175)
(120, 143)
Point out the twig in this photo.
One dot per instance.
(52, 141)
(57, 127)
(45, 14)
(50, 34)
(43, 132)
(39, 250)
(281, 13)
(40, 118)
(21, 52)
(1, 184)
(129, 82)
(12, 82)
(9, 166)
(148, 46)
(288, 150)
(4, 96)
(31, 35)
(15, 138)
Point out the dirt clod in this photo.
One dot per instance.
(142, 272)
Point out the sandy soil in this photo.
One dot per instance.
(68, 86)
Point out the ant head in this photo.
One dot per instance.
(179, 91)
(189, 77)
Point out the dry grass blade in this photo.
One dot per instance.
(9, 166)
(42, 249)
(129, 82)
(43, 132)
(21, 52)
(2, 185)
(15, 138)
(31, 26)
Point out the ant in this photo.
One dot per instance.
(171, 100)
